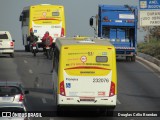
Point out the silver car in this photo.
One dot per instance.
(10, 111)
(12, 92)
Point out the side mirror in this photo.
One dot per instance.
(21, 18)
(13, 40)
(91, 21)
(26, 92)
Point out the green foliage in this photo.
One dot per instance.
(151, 48)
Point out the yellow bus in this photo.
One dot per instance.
(41, 18)
(84, 73)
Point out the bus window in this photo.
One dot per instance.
(25, 20)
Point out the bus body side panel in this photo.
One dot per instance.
(86, 74)
(25, 34)
(25, 26)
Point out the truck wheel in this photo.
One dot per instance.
(133, 58)
(128, 58)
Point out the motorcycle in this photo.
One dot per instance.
(34, 48)
(48, 49)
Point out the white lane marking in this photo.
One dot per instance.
(30, 71)
(149, 69)
(44, 100)
(51, 119)
(118, 102)
(25, 61)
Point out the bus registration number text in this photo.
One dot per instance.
(100, 80)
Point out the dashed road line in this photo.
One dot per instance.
(25, 61)
(30, 71)
(51, 119)
(44, 100)
(118, 102)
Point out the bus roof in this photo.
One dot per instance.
(28, 7)
(85, 41)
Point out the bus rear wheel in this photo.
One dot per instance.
(27, 48)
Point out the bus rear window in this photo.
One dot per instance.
(101, 59)
(55, 13)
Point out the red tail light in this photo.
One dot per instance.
(21, 98)
(62, 32)
(112, 89)
(11, 43)
(62, 89)
(31, 30)
(129, 21)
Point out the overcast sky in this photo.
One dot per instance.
(77, 14)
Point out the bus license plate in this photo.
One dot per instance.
(6, 99)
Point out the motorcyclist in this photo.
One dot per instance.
(47, 37)
(32, 38)
(47, 41)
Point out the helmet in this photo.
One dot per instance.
(47, 32)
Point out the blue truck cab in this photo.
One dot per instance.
(118, 23)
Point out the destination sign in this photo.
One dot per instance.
(149, 4)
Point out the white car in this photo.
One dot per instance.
(6, 43)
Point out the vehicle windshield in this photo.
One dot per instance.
(9, 91)
(3, 36)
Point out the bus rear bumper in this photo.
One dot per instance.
(87, 101)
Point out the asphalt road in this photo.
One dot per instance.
(138, 86)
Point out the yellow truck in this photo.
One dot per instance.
(84, 73)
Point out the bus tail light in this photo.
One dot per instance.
(62, 89)
(31, 30)
(112, 89)
(62, 32)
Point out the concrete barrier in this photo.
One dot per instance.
(150, 61)
(149, 58)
